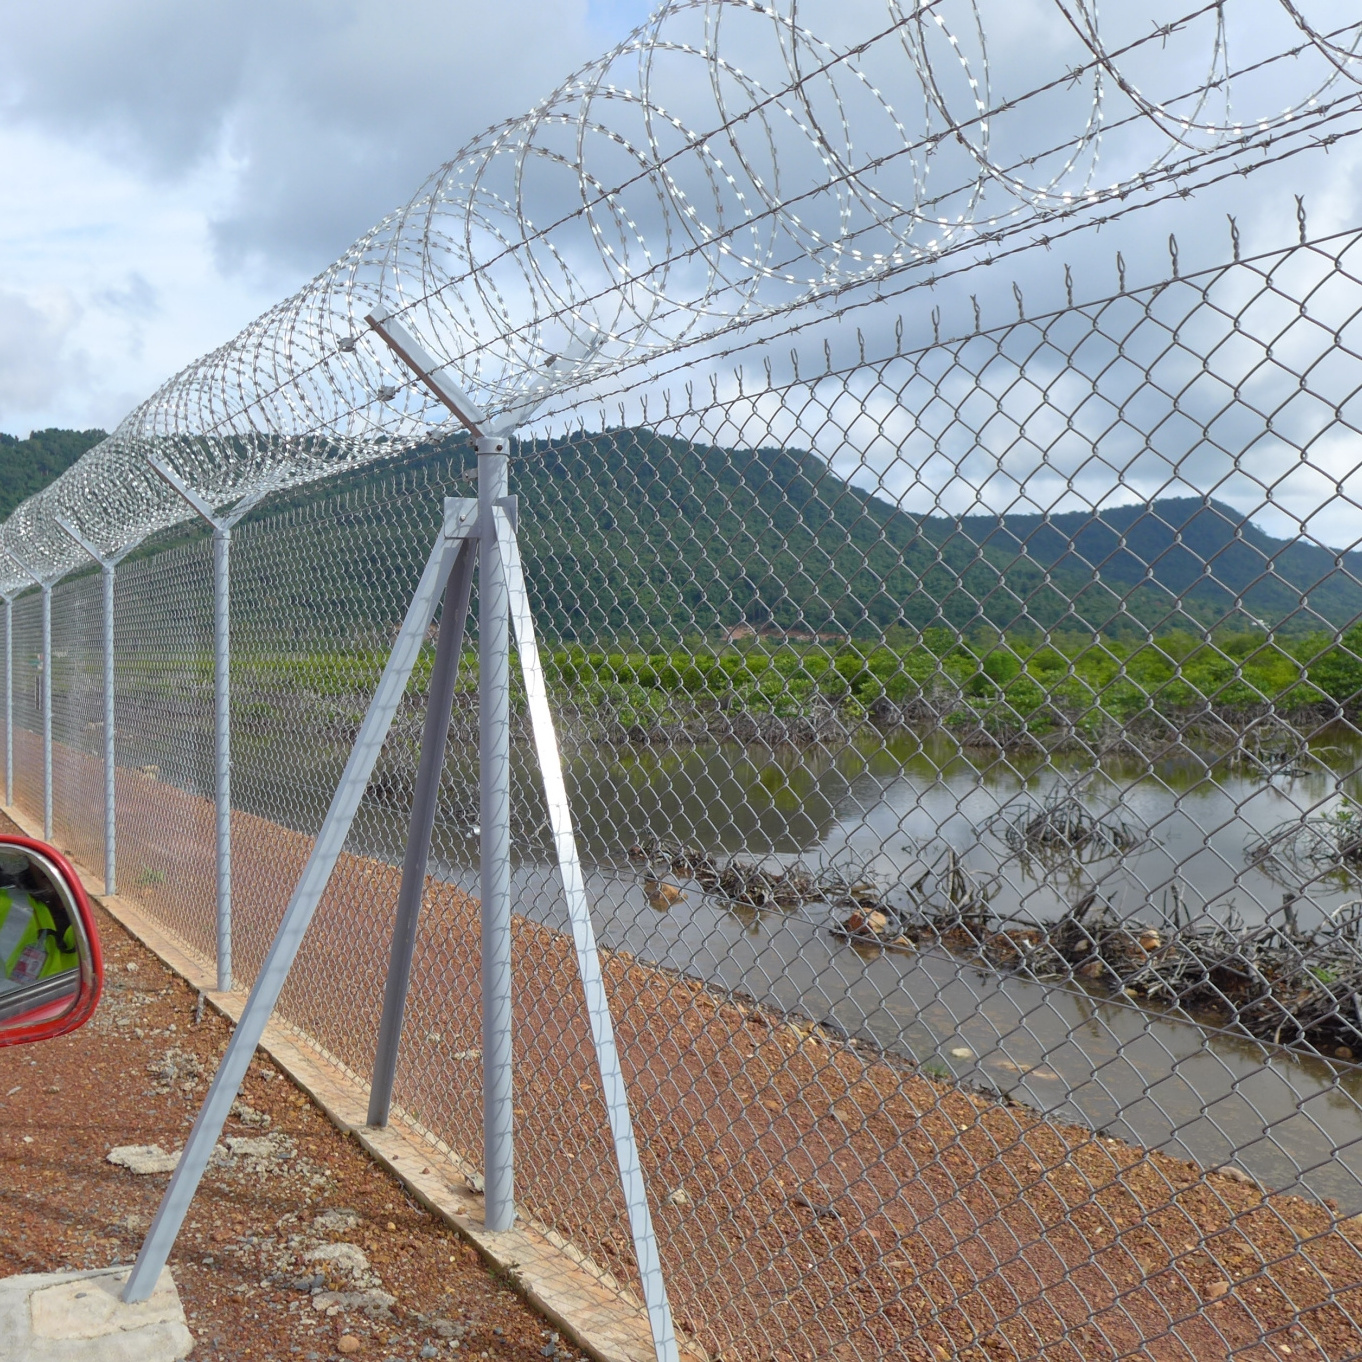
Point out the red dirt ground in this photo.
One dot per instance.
(135, 1075)
(813, 1200)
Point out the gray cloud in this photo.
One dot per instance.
(330, 114)
(37, 360)
(138, 297)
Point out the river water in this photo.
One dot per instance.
(887, 807)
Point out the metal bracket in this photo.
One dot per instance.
(434, 374)
(219, 523)
(26, 570)
(104, 560)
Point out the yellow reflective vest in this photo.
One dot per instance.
(31, 947)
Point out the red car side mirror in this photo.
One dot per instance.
(51, 967)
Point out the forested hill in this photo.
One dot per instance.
(709, 537)
(633, 533)
(27, 466)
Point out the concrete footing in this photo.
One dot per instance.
(80, 1317)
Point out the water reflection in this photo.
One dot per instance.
(884, 805)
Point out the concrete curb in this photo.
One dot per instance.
(581, 1299)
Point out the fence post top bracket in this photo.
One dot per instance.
(107, 561)
(461, 518)
(28, 572)
(222, 524)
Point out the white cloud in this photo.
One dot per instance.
(172, 170)
(37, 358)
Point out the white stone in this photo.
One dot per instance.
(251, 1146)
(143, 1158)
(262, 1153)
(370, 1301)
(346, 1259)
(335, 1222)
(79, 1317)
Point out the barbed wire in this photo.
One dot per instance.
(729, 163)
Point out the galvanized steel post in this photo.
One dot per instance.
(494, 746)
(9, 700)
(222, 699)
(222, 744)
(45, 691)
(494, 765)
(110, 813)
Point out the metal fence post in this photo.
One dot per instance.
(494, 745)
(9, 700)
(46, 684)
(44, 689)
(110, 820)
(222, 698)
(222, 745)
(494, 764)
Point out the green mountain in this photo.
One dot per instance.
(634, 534)
(27, 466)
(649, 532)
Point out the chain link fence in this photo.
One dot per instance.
(967, 786)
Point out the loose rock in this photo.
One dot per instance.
(346, 1260)
(373, 1302)
(143, 1158)
(335, 1221)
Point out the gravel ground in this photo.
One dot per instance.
(256, 1258)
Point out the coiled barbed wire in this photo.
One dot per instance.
(729, 160)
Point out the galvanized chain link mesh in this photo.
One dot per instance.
(981, 895)
(78, 719)
(27, 702)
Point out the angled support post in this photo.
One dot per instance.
(503, 599)
(222, 697)
(107, 564)
(44, 685)
(584, 939)
(425, 800)
(302, 905)
(9, 700)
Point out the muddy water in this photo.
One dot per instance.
(887, 808)
(1292, 1122)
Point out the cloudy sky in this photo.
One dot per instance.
(172, 170)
